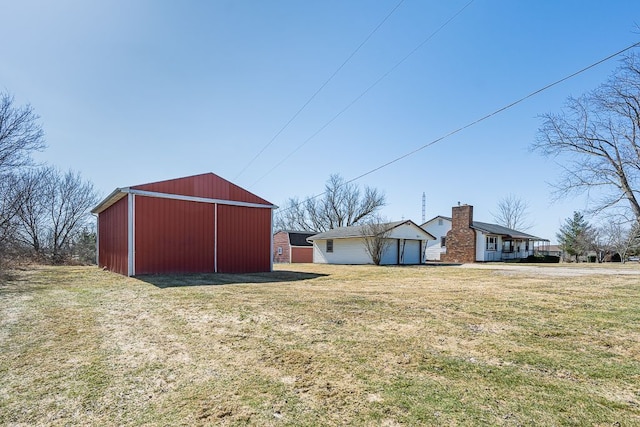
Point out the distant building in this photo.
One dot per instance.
(461, 239)
(405, 244)
(553, 250)
(292, 246)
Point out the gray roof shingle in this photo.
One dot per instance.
(356, 231)
(496, 229)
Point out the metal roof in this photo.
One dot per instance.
(220, 191)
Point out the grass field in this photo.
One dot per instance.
(321, 345)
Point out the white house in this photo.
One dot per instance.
(405, 244)
(461, 239)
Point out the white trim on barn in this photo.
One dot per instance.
(130, 234)
(215, 237)
(271, 244)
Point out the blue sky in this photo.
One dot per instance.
(131, 92)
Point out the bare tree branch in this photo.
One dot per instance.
(20, 134)
(343, 204)
(601, 132)
(375, 236)
(513, 213)
(54, 210)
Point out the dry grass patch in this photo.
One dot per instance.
(331, 345)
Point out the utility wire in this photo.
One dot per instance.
(357, 98)
(475, 122)
(320, 88)
(498, 111)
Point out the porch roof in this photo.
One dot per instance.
(504, 231)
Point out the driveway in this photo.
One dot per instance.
(560, 270)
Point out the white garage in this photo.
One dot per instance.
(404, 244)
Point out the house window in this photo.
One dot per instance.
(443, 241)
(279, 250)
(440, 223)
(329, 246)
(507, 246)
(492, 243)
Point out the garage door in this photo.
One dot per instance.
(411, 253)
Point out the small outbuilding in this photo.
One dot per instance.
(404, 244)
(195, 224)
(292, 246)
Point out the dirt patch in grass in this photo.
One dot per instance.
(323, 345)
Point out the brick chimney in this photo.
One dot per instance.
(461, 239)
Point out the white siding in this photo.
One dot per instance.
(481, 247)
(482, 254)
(433, 252)
(408, 231)
(345, 251)
(434, 249)
(352, 250)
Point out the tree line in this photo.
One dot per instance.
(612, 241)
(44, 212)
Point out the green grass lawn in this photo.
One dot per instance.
(320, 345)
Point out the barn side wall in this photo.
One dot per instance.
(244, 239)
(173, 236)
(112, 242)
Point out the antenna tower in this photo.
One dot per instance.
(424, 207)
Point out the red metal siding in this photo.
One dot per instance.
(244, 239)
(173, 236)
(299, 254)
(113, 243)
(207, 185)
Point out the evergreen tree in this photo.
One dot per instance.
(575, 235)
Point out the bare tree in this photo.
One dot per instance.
(20, 134)
(71, 199)
(621, 239)
(599, 243)
(513, 213)
(291, 217)
(34, 187)
(54, 210)
(375, 236)
(342, 204)
(600, 131)
(10, 202)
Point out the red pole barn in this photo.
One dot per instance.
(196, 224)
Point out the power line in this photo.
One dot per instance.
(499, 110)
(481, 119)
(320, 88)
(357, 98)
